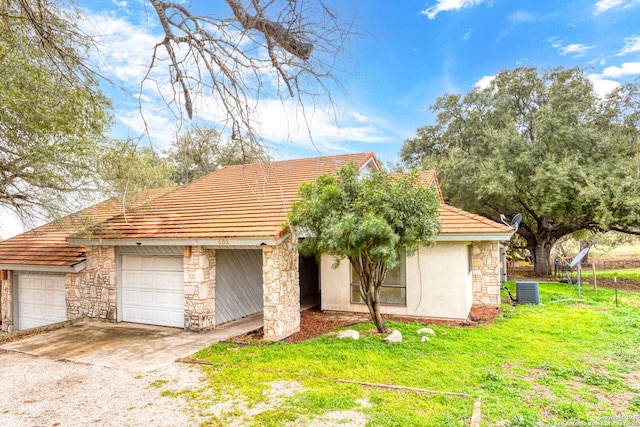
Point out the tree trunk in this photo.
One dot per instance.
(542, 256)
(374, 310)
(371, 278)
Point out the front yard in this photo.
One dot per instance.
(565, 362)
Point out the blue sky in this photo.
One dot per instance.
(411, 53)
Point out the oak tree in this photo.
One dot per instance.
(52, 118)
(542, 143)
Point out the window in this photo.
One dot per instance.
(394, 287)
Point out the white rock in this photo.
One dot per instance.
(394, 336)
(349, 333)
(424, 339)
(426, 331)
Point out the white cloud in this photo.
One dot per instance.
(631, 44)
(447, 5)
(521, 16)
(484, 82)
(601, 85)
(627, 69)
(467, 35)
(282, 122)
(575, 50)
(603, 5)
(123, 48)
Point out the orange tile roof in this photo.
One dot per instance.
(246, 201)
(242, 201)
(457, 221)
(47, 245)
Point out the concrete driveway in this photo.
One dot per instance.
(127, 346)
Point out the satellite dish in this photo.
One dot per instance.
(516, 220)
(579, 257)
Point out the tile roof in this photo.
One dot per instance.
(246, 201)
(47, 245)
(457, 221)
(233, 202)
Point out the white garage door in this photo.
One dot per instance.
(153, 290)
(41, 300)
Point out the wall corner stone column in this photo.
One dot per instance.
(281, 289)
(199, 289)
(93, 291)
(6, 303)
(486, 273)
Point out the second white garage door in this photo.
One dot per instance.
(41, 300)
(153, 290)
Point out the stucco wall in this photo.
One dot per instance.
(439, 284)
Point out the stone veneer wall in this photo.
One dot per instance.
(93, 291)
(199, 289)
(281, 290)
(486, 273)
(6, 303)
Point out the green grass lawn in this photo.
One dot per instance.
(628, 273)
(565, 361)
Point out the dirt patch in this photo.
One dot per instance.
(314, 323)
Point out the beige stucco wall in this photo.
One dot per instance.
(439, 284)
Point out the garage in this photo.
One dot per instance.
(41, 300)
(152, 290)
(238, 283)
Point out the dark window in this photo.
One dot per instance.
(394, 287)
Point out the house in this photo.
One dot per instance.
(217, 249)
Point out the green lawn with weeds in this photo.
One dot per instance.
(564, 362)
(628, 273)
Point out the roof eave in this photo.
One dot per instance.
(458, 237)
(73, 268)
(221, 242)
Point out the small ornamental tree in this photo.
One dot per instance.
(369, 219)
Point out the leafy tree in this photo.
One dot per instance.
(201, 151)
(124, 169)
(367, 219)
(52, 118)
(543, 143)
(248, 49)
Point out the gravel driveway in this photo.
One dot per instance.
(39, 391)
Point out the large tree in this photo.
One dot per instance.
(201, 151)
(235, 55)
(52, 117)
(50, 107)
(368, 220)
(542, 143)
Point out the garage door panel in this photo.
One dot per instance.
(41, 300)
(238, 284)
(153, 290)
